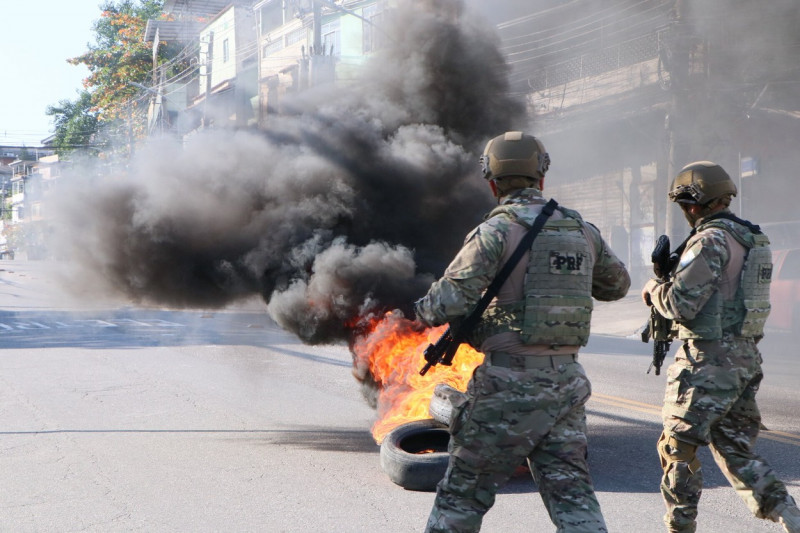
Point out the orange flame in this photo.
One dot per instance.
(392, 352)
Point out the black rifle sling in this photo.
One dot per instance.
(525, 244)
(755, 228)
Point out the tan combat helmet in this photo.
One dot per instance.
(700, 183)
(514, 154)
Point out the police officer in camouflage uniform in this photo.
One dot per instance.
(719, 300)
(526, 401)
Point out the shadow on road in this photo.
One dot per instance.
(313, 438)
(324, 439)
(623, 456)
(134, 328)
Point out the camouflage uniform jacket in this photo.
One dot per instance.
(711, 263)
(486, 249)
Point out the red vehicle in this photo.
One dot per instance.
(785, 290)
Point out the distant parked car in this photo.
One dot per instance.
(785, 290)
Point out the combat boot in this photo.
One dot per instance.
(788, 515)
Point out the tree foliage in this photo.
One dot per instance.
(76, 125)
(119, 63)
(119, 56)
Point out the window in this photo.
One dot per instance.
(331, 38)
(295, 36)
(372, 33)
(226, 53)
(271, 48)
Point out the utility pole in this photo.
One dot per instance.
(677, 124)
(317, 51)
(157, 101)
(130, 131)
(316, 7)
(208, 58)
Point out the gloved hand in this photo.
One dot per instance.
(648, 288)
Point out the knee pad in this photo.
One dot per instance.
(672, 450)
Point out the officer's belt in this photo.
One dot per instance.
(528, 362)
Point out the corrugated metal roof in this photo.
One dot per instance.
(172, 30)
(199, 7)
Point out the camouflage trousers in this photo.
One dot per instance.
(509, 416)
(710, 399)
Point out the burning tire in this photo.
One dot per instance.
(442, 401)
(414, 455)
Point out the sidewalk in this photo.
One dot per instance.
(623, 318)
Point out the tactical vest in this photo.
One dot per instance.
(557, 305)
(746, 314)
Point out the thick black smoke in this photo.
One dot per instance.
(347, 204)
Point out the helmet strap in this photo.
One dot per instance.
(724, 201)
(695, 212)
(493, 186)
(717, 204)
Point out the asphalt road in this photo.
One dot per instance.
(120, 418)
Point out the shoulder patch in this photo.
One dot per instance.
(688, 256)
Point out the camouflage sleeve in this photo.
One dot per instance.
(696, 277)
(610, 278)
(467, 276)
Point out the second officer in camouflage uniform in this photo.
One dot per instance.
(719, 298)
(526, 401)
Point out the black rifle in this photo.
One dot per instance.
(443, 351)
(659, 328)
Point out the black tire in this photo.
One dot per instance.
(441, 410)
(441, 406)
(414, 455)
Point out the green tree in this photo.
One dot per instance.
(119, 55)
(76, 125)
(118, 60)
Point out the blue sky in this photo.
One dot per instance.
(36, 39)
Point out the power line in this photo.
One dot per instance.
(532, 16)
(565, 28)
(542, 50)
(571, 49)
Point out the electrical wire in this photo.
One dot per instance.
(541, 51)
(532, 16)
(519, 74)
(576, 24)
